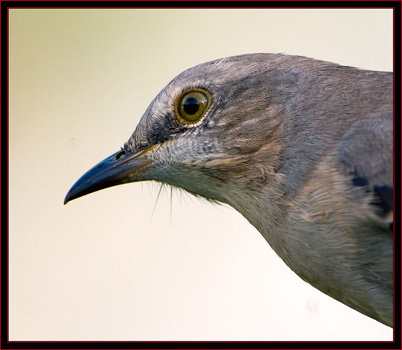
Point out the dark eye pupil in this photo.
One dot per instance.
(191, 105)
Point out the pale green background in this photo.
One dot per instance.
(108, 266)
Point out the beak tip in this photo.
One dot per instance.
(68, 198)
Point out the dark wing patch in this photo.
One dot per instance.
(383, 199)
(366, 154)
(359, 181)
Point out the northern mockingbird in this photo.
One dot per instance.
(302, 148)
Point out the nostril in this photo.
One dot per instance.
(120, 154)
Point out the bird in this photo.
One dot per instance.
(302, 148)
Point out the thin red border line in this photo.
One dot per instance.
(8, 253)
(195, 8)
(8, 341)
(394, 330)
(200, 8)
(6, 189)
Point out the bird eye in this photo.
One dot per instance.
(192, 105)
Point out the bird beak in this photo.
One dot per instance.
(117, 169)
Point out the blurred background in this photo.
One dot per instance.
(123, 263)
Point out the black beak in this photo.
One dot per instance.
(120, 168)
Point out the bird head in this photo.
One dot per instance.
(214, 131)
(301, 148)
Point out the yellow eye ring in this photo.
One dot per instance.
(192, 105)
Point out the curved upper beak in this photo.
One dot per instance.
(119, 168)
